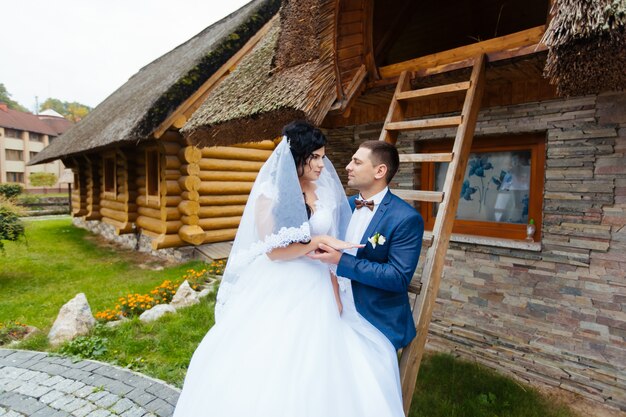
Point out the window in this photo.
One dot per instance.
(502, 189)
(35, 137)
(12, 133)
(32, 154)
(14, 155)
(109, 174)
(15, 177)
(152, 172)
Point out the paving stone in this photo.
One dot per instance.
(51, 396)
(84, 391)
(32, 390)
(160, 408)
(69, 386)
(84, 410)
(140, 396)
(12, 372)
(135, 411)
(20, 403)
(61, 401)
(77, 374)
(122, 405)
(107, 401)
(96, 396)
(99, 413)
(53, 381)
(10, 385)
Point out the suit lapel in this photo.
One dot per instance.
(371, 228)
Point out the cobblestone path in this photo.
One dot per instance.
(40, 385)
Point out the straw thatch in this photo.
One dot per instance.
(587, 46)
(288, 75)
(138, 107)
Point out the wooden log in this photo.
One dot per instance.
(192, 234)
(140, 181)
(170, 188)
(171, 201)
(114, 214)
(221, 211)
(142, 191)
(173, 174)
(216, 223)
(227, 176)
(190, 195)
(168, 241)
(189, 183)
(159, 226)
(265, 144)
(152, 202)
(172, 162)
(118, 206)
(225, 187)
(170, 148)
(213, 164)
(228, 152)
(190, 169)
(190, 154)
(223, 235)
(188, 207)
(192, 220)
(222, 200)
(171, 136)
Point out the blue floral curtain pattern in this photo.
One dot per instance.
(495, 188)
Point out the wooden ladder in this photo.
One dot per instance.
(448, 198)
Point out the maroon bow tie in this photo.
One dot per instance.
(364, 203)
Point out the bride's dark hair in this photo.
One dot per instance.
(304, 139)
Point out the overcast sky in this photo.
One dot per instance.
(83, 50)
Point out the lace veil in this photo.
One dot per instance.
(275, 215)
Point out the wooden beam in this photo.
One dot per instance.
(438, 122)
(418, 195)
(426, 157)
(213, 80)
(354, 89)
(525, 38)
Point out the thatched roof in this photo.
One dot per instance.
(587, 46)
(137, 108)
(288, 75)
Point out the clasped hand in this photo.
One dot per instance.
(329, 249)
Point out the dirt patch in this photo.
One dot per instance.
(581, 405)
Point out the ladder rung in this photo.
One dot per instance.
(427, 241)
(425, 123)
(419, 195)
(433, 91)
(426, 157)
(415, 288)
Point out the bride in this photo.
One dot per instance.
(283, 345)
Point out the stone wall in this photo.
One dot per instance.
(557, 315)
(134, 241)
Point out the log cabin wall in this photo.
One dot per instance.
(79, 191)
(117, 204)
(226, 176)
(92, 180)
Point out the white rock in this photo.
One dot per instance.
(74, 319)
(185, 296)
(156, 312)
(205, 292)
(116, 323)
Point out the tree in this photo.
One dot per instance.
(42, 179)
(73, 111)
(5, 97)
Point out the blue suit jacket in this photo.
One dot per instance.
(381, 276)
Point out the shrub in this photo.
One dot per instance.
(11, 227)
(217, 267)
(10, 190)
(86, 347)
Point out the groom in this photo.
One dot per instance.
(391, 231)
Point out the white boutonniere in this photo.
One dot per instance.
(377, 239)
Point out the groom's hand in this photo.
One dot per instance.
(326, 254)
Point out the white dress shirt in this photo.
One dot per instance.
(361, 219)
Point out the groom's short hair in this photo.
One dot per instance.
(383, 153)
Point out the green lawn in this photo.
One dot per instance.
(58, 260)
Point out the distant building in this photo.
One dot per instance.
(22, 136)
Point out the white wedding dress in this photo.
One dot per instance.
(281, 349)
